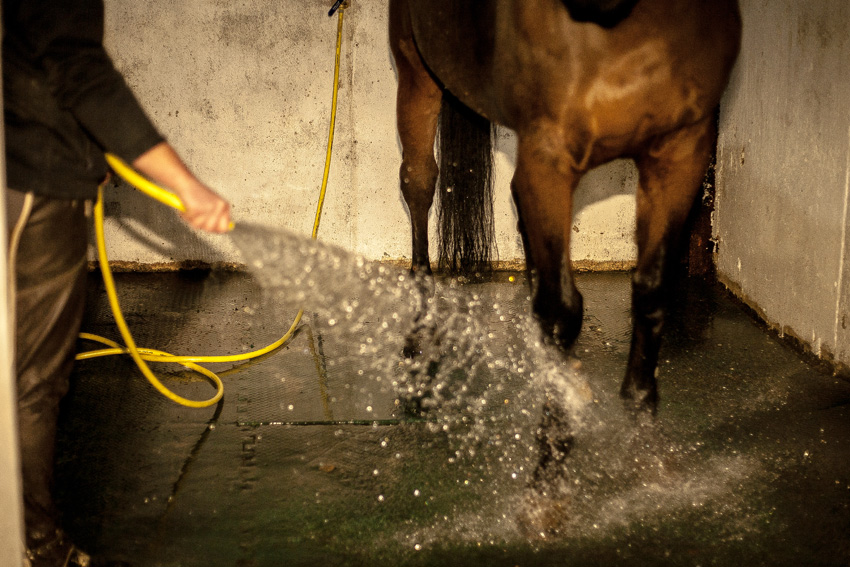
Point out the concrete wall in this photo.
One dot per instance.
(243, 90)
(783, 176)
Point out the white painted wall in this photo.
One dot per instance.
(11, 504)
(11, 520)
(783, 176)
(243, 90)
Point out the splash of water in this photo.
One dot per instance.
(480, 370)
(473, 359)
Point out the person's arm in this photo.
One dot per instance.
(65, 37)
(205, 210)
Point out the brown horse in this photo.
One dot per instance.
(581, 82)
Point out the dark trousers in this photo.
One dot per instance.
(47, 255)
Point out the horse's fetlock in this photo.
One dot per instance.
(639, 399)
(651, 319)
(560, 321)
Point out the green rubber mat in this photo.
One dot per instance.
(314, 457)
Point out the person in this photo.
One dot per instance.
(65, 104)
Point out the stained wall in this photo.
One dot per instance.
(243, 91)
(783, 177)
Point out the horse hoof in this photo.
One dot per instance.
(412, 407)
(412, 345)
(411, 350)
(542, 516)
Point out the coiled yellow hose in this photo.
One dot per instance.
(143, 355)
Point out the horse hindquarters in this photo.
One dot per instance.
(671, 173)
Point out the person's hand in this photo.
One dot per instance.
(205, 209)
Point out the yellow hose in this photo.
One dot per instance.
(333, 123)
(142, 355)
(141, 183)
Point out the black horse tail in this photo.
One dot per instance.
(606, 13)
(465, 216)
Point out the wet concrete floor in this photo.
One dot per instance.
(308, 460)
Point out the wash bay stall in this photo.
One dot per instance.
(315, 453)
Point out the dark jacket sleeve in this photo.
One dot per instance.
(65, 38)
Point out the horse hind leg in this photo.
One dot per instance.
(418, 103)
(671, 173)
